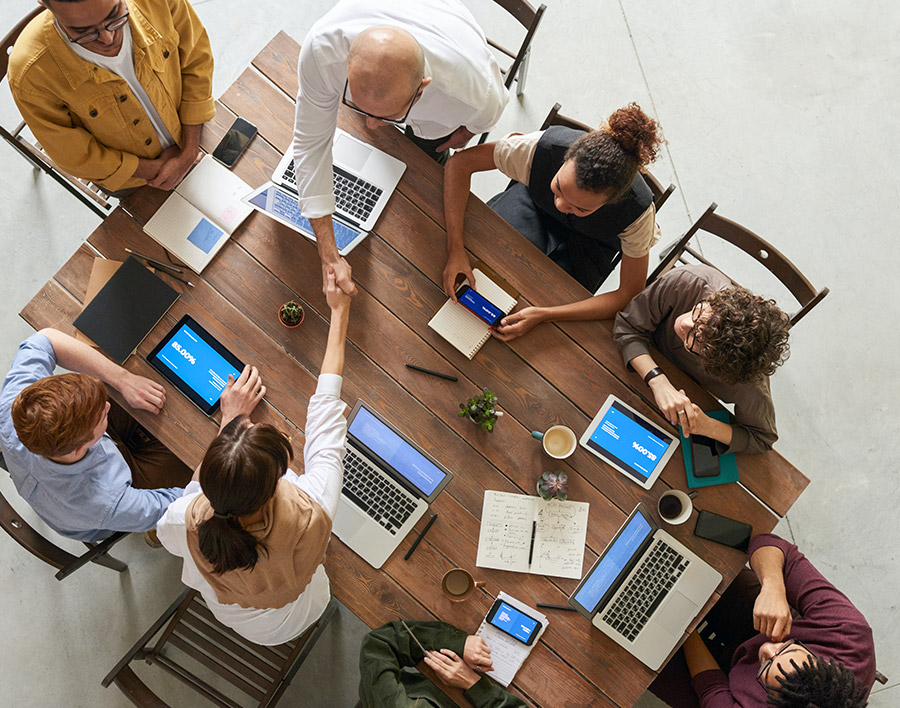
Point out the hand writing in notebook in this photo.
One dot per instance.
(518, 323)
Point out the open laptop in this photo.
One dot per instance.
(645, 589)
(389, 481)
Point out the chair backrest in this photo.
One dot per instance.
(529, 17)
(660, 194)
(10, 39)
(754, 246)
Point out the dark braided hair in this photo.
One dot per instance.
(819, 684)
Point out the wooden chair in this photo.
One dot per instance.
(751, 244)
(48, 551)
(87, 192)
(194, 638)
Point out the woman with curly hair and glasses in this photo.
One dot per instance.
(728, 339)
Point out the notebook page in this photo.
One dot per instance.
(185, 232)
(505, 536)
(217, 192)
(508, 654)
(560, 537)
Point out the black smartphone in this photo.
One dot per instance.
(721, 529)
(480, 305)
(513, 622)
(704, 456)
(236, 140)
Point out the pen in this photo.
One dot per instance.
(433, 373)
(415, 638)
(153, 261)
(419, 538)
(531, 549)
(172, 275)
(557, 607)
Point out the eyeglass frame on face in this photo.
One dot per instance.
(110, 26)
(765, 666)
(354, 107)
(690, 339)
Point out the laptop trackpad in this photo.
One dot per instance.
(350, 153)
(677, 612)
(348, 520)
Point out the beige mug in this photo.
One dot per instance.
(458, 584)
(559, 441)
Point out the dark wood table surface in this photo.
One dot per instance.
(557, 373)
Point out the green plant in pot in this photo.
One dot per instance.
(291, 313)
(553, 485)
(481, 410)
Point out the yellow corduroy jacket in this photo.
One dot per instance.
(86, 118)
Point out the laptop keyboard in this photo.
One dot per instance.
(366, 487)
(646, 589)
(353, 195)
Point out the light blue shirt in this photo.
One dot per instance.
(89, 499)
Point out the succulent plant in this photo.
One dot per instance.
(482, 410)
(553, 485)
(291, 313)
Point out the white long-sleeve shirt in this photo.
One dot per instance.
(323, 458)
(466, 88)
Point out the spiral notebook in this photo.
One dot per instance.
(465, 330)
(507, 653)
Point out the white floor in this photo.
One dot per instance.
(782, 113)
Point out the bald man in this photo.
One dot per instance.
(423, 64)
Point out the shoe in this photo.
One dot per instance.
(152, 539)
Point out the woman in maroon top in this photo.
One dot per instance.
(808, 645)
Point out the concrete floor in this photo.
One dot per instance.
(773, 110)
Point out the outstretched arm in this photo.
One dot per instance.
(339, 302)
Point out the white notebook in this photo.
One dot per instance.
(518, 527)
(200, 215)
(508, 654)
(462, 328)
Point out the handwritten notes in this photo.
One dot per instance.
(505, 541)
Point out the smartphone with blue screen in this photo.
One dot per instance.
(479, 305)
(513, 622)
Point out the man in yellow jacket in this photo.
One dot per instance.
(116, 91)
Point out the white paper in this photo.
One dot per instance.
(508, 654)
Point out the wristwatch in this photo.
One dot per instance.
(652, 374)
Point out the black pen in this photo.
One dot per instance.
(419, 538)
(433, 373)
(557, 607)
(531, 550)
(153, 261)
(178, 277)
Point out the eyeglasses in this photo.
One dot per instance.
(110, 26)
(690, 338)
(763, 674)
(352, 106)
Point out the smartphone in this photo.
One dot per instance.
(704, 456)
(513, 622)
(480, 305)
(721, 529)
(236, 140)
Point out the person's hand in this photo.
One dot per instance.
(174, 169)
(696, 422)
(518, 323)
(458, 138)
(457, 264)
(673, 403)
(772, 613)
(451, 669)
(241, 397)
(477, 654)
(336, 298)
(343, 276)
(142, 394)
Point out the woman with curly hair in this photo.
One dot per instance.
(577, 196)
(728, 339)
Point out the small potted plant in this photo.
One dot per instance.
(481, 410)
(291, 314)
(553, 485)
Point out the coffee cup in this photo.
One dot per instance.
(675, 506)
(458, 584)
(559, 441)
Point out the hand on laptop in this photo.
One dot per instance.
(451, 669)
(477, 654)
(242, 396)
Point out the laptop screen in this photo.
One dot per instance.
(630, 441)
(411, 464)
(614, 560)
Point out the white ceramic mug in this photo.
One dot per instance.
(667, 506)
(559, 441)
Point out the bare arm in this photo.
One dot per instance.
(697, 655)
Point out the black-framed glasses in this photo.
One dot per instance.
(110, 26)
(792, 645)
(352, 106)
(690, 338)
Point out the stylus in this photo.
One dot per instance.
(557, 607)
(419, 538)
(432, 373)
(153, 261)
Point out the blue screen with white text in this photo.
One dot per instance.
(197, 364)
(629, 441)
(516, 623)
(481, 306)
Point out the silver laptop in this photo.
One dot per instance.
(645, 589)
(389, 481)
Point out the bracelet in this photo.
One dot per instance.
(652, 374)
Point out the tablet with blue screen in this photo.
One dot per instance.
(626, 440)
(196, 363)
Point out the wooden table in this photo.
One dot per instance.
(558, 373)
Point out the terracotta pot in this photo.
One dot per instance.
(291, 326)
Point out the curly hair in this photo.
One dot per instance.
(744, 338)
(607, 160)
(819, 684)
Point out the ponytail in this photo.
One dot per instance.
(227, 545)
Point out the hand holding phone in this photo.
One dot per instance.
(513, 622)
(479, 305)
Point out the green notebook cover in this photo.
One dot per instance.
(728, 470)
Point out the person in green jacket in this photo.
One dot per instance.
(454, 657)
